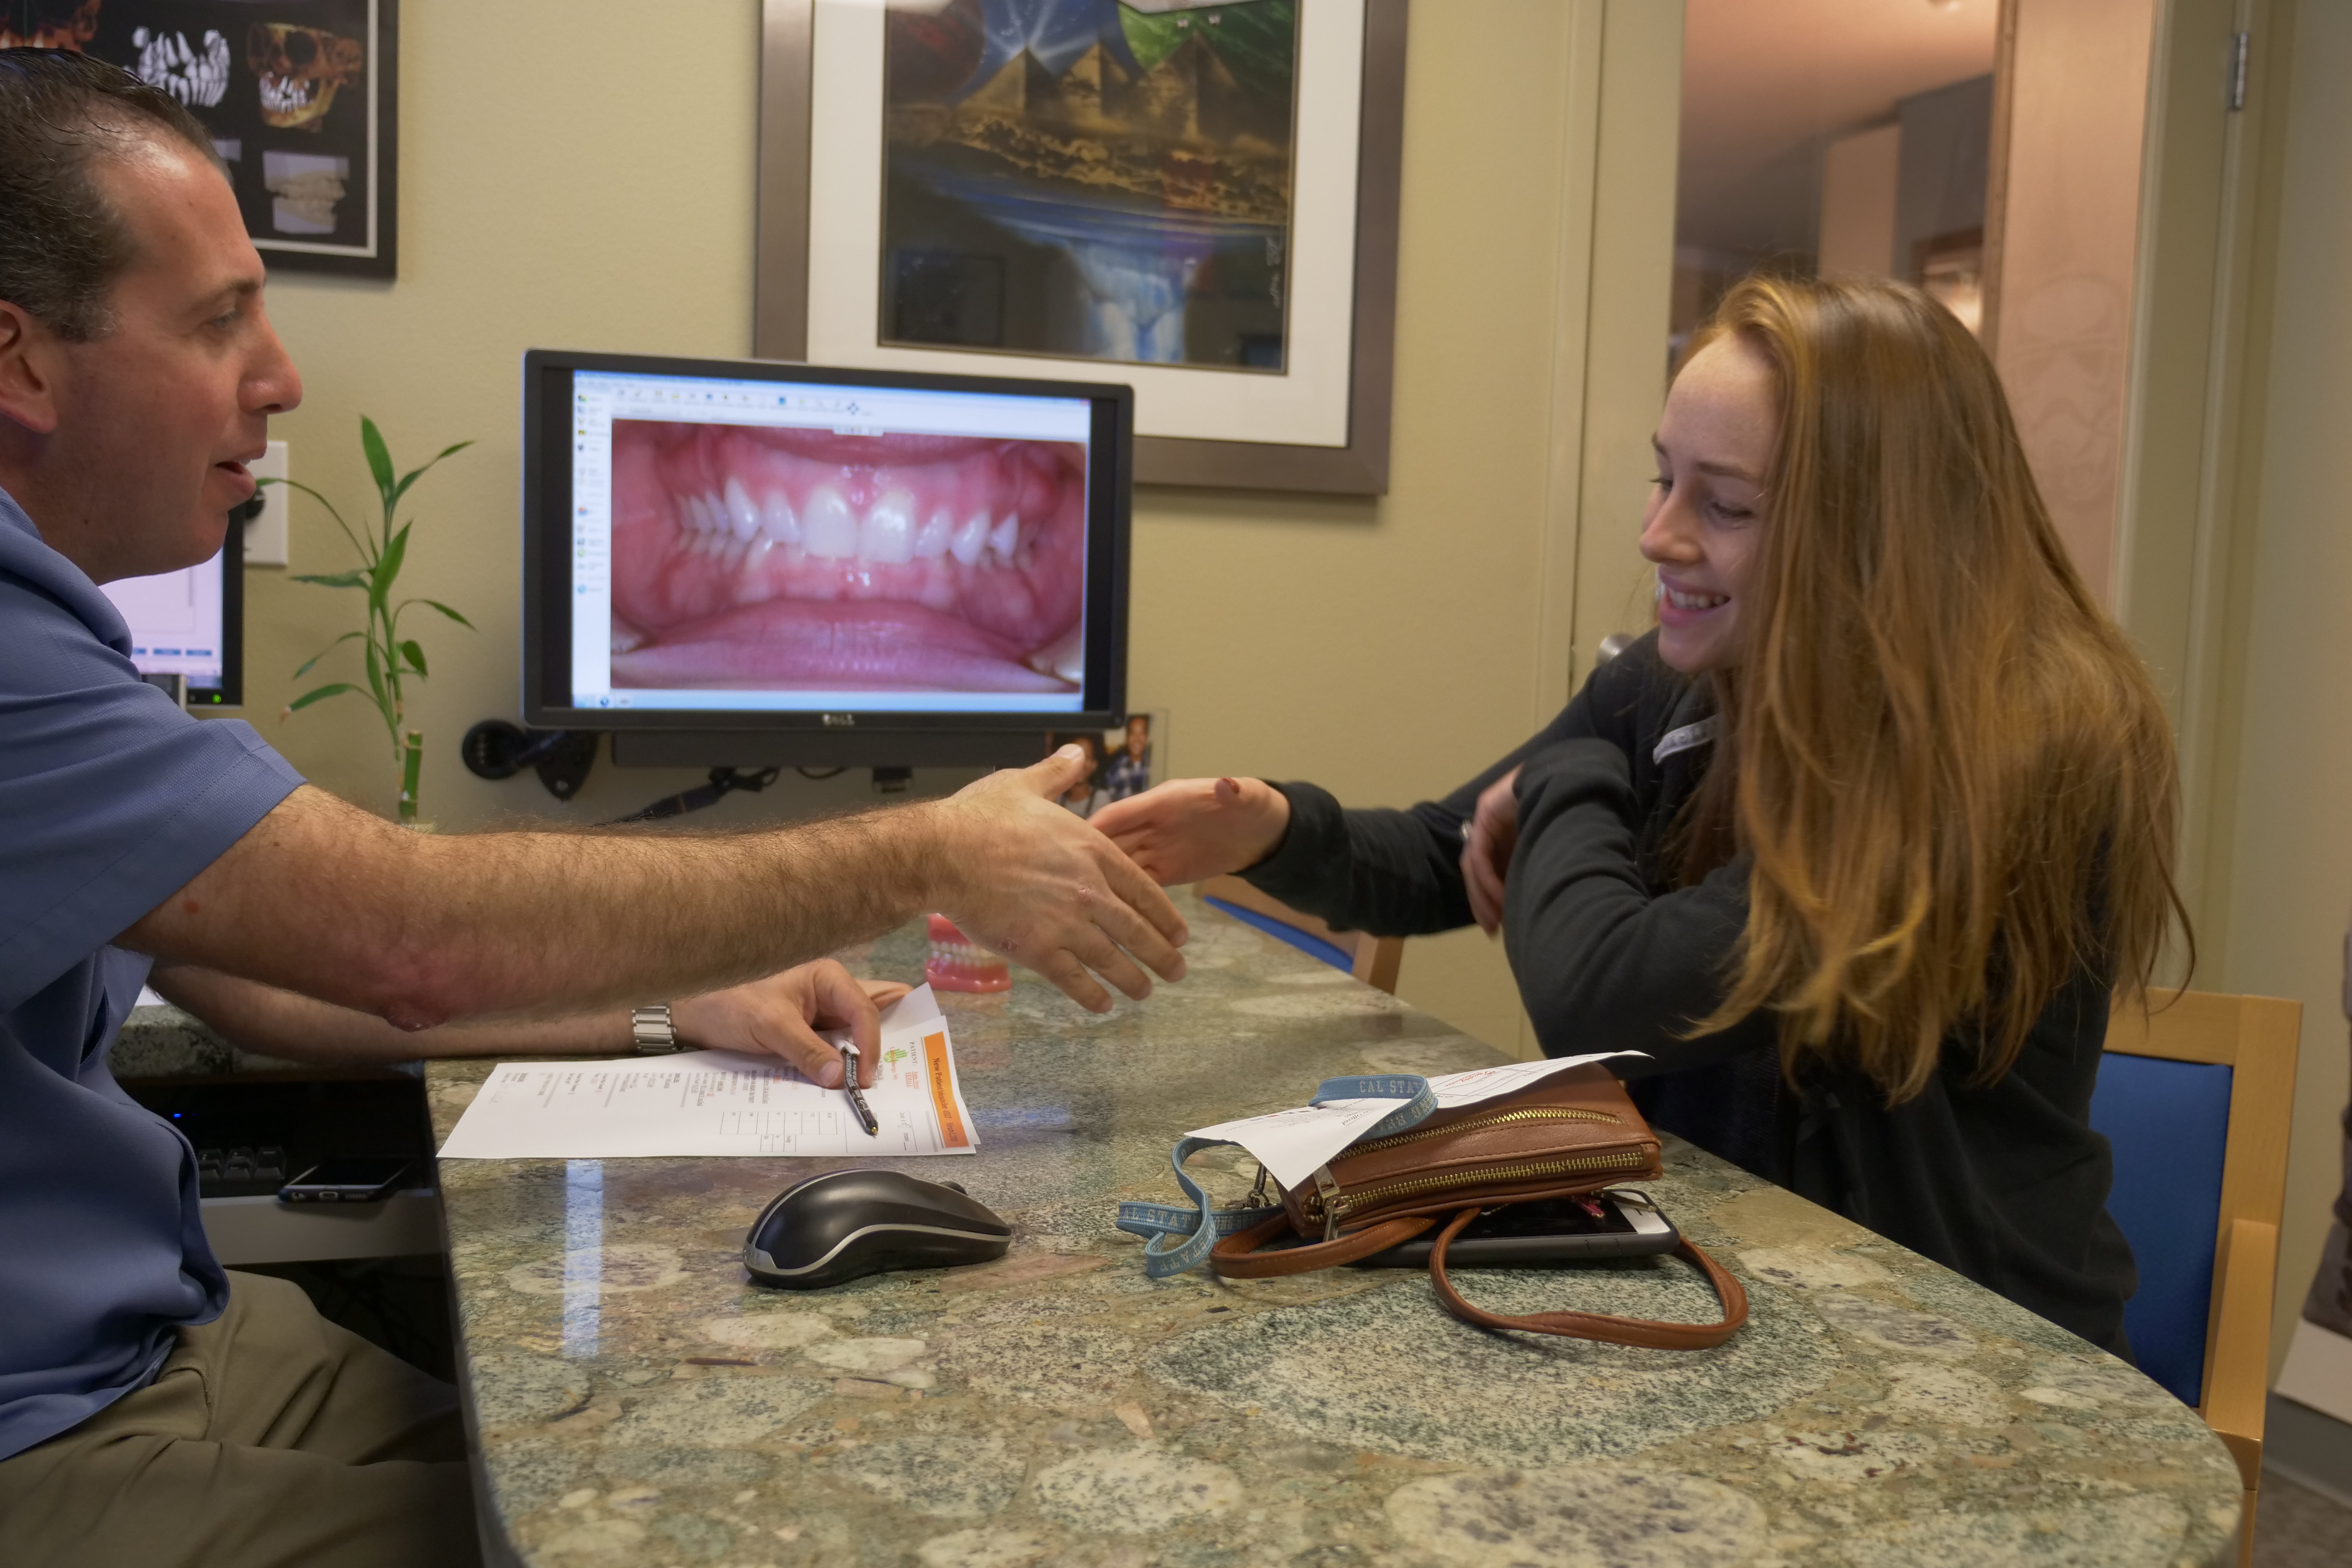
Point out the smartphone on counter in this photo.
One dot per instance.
(1616, 1224)
(346, 1181)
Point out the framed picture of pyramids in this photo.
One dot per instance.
(1115, 189)
(1195, 197)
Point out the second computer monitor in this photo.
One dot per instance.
(191, 622)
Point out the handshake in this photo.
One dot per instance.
(1182, 831)
(1037, 884)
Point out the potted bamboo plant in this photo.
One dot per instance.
(391, 658)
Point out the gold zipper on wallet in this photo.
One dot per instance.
(1623, 1159)
(1500, 1118)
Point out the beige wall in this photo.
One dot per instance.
(1860, 174)
(603, 199)
(2066, 256)
(599, 199)
(2288, 829)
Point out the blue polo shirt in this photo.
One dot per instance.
(110, 800)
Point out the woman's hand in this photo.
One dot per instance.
(1486, 853)
(1186, 829)
(780, 1016)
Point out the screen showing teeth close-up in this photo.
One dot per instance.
(780, 550)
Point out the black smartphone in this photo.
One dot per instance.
(348, 1181)
(1617, 1224)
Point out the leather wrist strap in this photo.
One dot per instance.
(1645, 1332)
(1236, 1257)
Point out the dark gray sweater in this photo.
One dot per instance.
(2006, 1184)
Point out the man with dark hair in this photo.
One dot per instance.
(151, 1409)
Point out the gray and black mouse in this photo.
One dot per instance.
(846, 1224)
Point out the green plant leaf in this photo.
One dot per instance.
(337, 689)
(446, 611)
(414, 655)
(379, 458)
(414, 475)
(333, 580)
(324, 652)
(375, 680)
(387, 566)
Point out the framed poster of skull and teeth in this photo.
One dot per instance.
(1195, 197)
(298, 96)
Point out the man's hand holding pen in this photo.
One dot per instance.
(781, 1017)
(849, 1081)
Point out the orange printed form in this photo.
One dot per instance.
(947, 1100)
(719, 1103)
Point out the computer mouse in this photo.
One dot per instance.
(845, 1225)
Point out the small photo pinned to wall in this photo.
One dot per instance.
(1121, 763)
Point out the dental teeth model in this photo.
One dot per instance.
(735, 524)
(958, 963)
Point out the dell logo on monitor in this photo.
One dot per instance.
(840, 720)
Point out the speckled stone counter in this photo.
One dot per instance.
(638, 1402)
(165, 1042)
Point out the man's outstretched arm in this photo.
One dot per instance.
(326, 900)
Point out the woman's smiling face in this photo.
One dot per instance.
(1705, 519)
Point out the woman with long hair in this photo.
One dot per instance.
(1856, 845)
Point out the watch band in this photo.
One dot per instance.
(652, 1031)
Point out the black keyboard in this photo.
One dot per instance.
(242, 1171)
(254, 1135)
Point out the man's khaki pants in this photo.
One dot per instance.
(271, 1438)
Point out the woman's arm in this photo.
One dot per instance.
(1392, 873)
(1603, 963)
(1443, 864)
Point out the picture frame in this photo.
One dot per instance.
(302, 99)
(1319, 423)
(1122, 761)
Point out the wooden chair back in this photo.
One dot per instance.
(1375, 959)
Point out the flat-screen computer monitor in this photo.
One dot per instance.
(191, 623)
(737, 562)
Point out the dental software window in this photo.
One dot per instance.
(756, 544)
(175, 620)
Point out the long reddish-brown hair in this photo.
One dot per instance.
(1951, 770)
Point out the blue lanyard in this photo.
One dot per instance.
(1200, 1225)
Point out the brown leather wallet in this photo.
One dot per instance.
(1574, 1132)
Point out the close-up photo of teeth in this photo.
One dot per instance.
(754, 558)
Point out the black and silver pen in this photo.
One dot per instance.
(857, 1101)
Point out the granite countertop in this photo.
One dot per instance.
(639, 1401)
(165, 1042)
(161, 1041)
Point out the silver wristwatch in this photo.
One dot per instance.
(652, 1031)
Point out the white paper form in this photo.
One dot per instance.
(724, 1103)
(1291, 1143)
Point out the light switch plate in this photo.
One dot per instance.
(265, 536)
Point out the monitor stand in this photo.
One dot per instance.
(823, 749)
